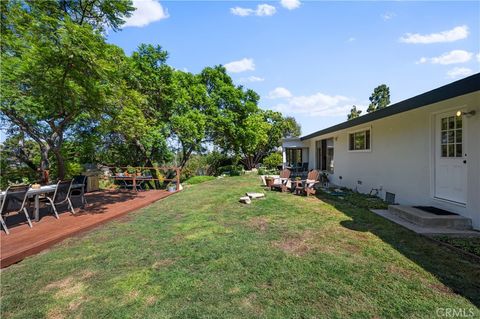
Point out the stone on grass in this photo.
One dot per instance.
(245, 200)
(255, 195)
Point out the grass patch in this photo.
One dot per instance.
(199, 179)
(201, 254)
(470, 245)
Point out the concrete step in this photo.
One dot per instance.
(425, 219)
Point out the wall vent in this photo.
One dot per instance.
(390, 198)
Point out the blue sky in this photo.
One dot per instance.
(315, 59)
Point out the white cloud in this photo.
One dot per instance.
(452, 57)
(252, 79)
(459, 72)
(265, 10)
(243, 12)
(351, 39)
(261, 10)
(387, 16)
(279, 93)
(457, 33)
(318, 104)
(290, 4)
(242, 65)
(478, 57)
(146, 12)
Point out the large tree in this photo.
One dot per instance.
(190, 120)
(55, 66)
(238, 125)
(379, 99)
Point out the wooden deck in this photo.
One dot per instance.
(102, 206)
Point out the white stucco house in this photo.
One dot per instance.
(423, 151)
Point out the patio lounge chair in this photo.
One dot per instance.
(79, 192)
(308, 185)
(283, 182)
(14, 201)
(60, 196)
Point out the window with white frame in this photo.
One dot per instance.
(359, 141)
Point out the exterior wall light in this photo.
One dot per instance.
(468, 114)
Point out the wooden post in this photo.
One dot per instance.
(46, 176)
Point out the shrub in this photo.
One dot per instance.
(216, 160)
(196, 165)
(232, 170)
(199, 179)
(72, 169)
(273, 160)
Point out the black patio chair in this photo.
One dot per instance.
(304, 167)
(79, 192)
(14, 200)
(60, 196)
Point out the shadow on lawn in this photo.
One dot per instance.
(462, 276)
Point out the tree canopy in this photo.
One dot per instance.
(70, 97)
(354, 113)
(379, 99)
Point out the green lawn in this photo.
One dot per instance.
(201, 254)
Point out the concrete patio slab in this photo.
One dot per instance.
(423, 230)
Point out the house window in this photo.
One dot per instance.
(359, 141)
(294, 156)
(451, 136)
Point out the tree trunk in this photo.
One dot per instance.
(186, 156)
(60, 163)
(44, 164)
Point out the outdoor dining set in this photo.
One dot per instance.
(299, 186)
(18, 199)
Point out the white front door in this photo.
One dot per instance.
(450, 158)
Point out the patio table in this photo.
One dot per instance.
(36, 192)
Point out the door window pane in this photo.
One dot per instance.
(451, 136)
(444, 123)
(458, 150)
(459, 122)
(451, 150)
(451, 123)
(444, 137)
(458, 136)
(444, 150)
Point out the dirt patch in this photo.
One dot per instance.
(66, 288)
(297, 245)
(150, 301)
(406, 273)
(234, 290)
(250, 304)
(440, 288)
(259, 223)
(87, 274)
(178, 238)
(55, 314)
(132, 295)
(351, 248)
(74, 304)
(163, 263)
(60, 284)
